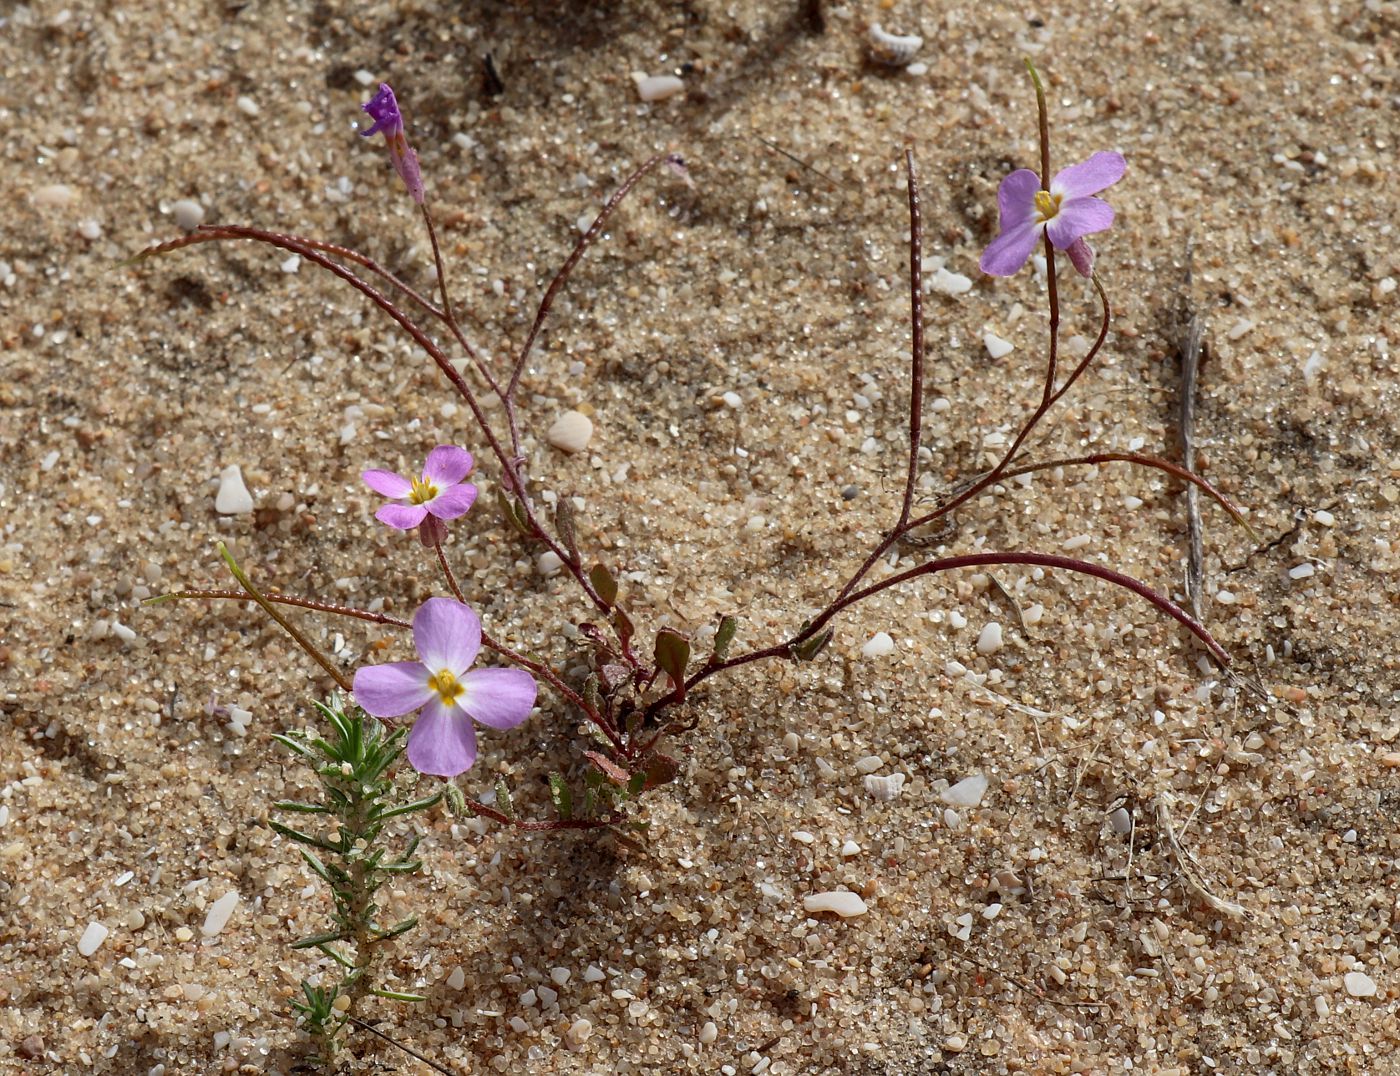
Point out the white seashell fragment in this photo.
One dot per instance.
(946, 283)
(571, 432)
(879, 646)
(233, 498)
(549, 563)
(656, 87)
(188, 214)
(996, 347)
(843, 903)
(219, 912)
(893, 49)
(989, 640)
(884, 787)
(96, 934)
(966, 793)
(1359, 984)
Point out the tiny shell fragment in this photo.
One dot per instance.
(657, 87)
(893, 49)
(571, 432)
(966, 793)
(843, 903)
(884, 787)
(233, 498)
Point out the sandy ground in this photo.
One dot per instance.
(1027, 934)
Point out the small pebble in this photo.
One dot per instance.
(843, 903)
(850, 848)
(955, 1044)
(966, 793)
(1359, 984)
(884, 788)
(1121, 821)
(996, 347)
(364, 78)
(579, 1031)
(657, 87)
(733, 399)
(946, 283)
(1301, 571)
(218, 915)
(90, 229)
(991, 911)
(54, 196)
(895, 50)
(291, 265)
(593, 974)
(560, 976)
(879, 646)
(233, 498)
(1079, 541)
(549, 563)
(188, 214)
(869, 764)
(989, 641)
(94, 936)
(709, 1033)
(247, 105)
(1324, 518)
(962, 927)
(571, 432)
(457, 979)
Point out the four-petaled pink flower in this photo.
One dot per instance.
(1067, 212)
(384, 109)
(447, 635)
(438, 495)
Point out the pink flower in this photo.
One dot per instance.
(447, 636)
(439, 494)
(384, 108)
(1066, 213)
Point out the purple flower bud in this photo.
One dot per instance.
(384, 109)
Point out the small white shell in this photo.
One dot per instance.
(884, 787)
(571, 432)
(893, 49)
(657, 87)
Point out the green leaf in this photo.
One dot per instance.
(562, 797)
(318, 940)
(672, 655)
(512, 511)
(808, 649)
(604, 583)
(564, 523)
(395, 995)
(504, 804)
(300, 808)
(728, 625)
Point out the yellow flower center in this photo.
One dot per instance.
(446, 686)
(423, 491)
(1047, 204)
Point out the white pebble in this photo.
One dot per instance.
(1239, 328)
(593, 974)
(1121, 821)
(991, 911)
(547, 996)
(233, 498)
(843, 903)
(733, 399)
(247, 105)
(917, 70)
(54, 196)
(956, 620)
(1324, 518)
(560, 976)
(292, 264)
(879, 646)
(1033, 614)
(946, 283)
(962, 927)
(803, 836)
(46, 464)
(996, 347)
(709, 1033)
(1225, 597)
(579, 1031)
(188, 214)
(869, 764)
(571, 432)
(966, 793)
(364, 78)
(585, 221)
(122, 632)
(93, 936)
(549, 563)
(90, 229)
(218, 915)
(1359, 984)
(656, 87)
(989, 641)
(1079, 541)
(884, 788)
(457, 979)
(1301, 571)
(850, 848)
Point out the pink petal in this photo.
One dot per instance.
(1016, 198)
(387, 483)
(404, 517)
(1078, 217)
(1081, 256)
(442, 741)
(498, 698)
(447, 635)
(1009, 251)
(453, 501)
(1099, 171)
(392, 690)
(447, 465)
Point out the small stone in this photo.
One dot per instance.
(364, 78)
(560, 976)
(1359, 984)
(1301, 571)
(549, 563)
(849, 849)
(966, 793)
(869, 764)
(989, 641)
(708, 1033)
(593, 974)
(291, 265)
(955, 1044)
(843, 903)
(962, 927)
(188, 214)
(996, 347)
(884, 788)
(946, 283)
(90, 229)
(457, 979)
(32, 1048)
(657, 87)
(547, 996)
(247, 105)
(55, 196)
(1121, 821)
(218, 915)
(93, 937)
(733, 400)
(578, 1032)
(233, 498)
(183, 934)
(879, 646)
(571, 432)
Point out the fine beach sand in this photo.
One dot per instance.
(742, 349)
